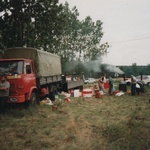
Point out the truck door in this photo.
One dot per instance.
(29, 77)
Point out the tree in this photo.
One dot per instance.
(68, 37)
(47, 25)
(81, 39)
(148, 69)
(90, 38)
(34, 23)
(134, 68)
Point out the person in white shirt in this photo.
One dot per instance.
(101, 82)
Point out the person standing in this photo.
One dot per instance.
(104, 78)
(101, 84)
(111, 85)
(102, 81)
(133, 85)
(4, 93)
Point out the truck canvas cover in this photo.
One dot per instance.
(47, 64)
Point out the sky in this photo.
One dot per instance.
(126, 27)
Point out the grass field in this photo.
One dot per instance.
(108, 123)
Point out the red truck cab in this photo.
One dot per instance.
(22, 77)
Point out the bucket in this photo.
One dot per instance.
(96, 90)
(97, 94)
(87, 92)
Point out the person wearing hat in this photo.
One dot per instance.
(133, 85)
(4, 93)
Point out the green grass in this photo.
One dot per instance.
(108, 123)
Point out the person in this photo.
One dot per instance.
(104, 78)
(133, 85)
(102, 81)
(101, 84)
(139, 87)
(111, 85)
(4, 93)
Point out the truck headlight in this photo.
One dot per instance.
(13, 99)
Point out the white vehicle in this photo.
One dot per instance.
(89, 80)
(145, 80)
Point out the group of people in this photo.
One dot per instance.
(136, 87)
(102, 80)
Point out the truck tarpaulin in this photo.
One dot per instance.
(47, 64)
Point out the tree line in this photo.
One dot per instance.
(136, 70)
(117, 71)
(50, 26)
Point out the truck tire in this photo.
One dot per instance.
(33, 100)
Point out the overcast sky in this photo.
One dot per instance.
(126, 27)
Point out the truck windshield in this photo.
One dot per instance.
(11, 67)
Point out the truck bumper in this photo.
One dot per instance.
(16, 99)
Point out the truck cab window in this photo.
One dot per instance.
(16, 67)
(11, 67)
(28, 69)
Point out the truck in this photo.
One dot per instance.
(34, 74)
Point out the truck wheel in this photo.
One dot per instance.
(33, 100)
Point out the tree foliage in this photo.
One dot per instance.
(48, 25)
(135, 70)
(34, 23)
(81, 39)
